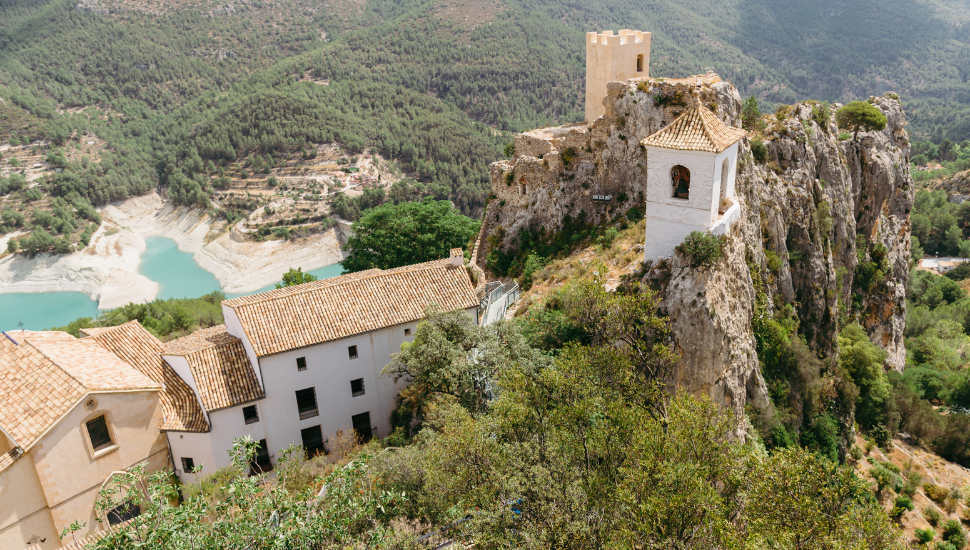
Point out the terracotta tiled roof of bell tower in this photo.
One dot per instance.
(697, 129)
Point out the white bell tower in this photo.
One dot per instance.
(691, 169)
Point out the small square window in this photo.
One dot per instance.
(301, 363)
(352, 351)
(407, 332)
(98, 432)
(188, 464)
(251, 414)
(357, 387)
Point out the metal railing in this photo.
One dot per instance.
(310, 413)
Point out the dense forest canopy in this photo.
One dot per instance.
(178, 91)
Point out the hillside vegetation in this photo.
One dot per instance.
(183, 94)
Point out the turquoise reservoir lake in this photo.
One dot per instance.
(176, 272)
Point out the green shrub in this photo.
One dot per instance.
(607, 238)
(568, 155)
(954, 534)
(759, 151)
(935, 493)
(844, 136)
(945, 545)
(703, 249)
(855, 452)
(533, 264)
(932, 516)
(509, 150)
(924, 536)
(821, 115)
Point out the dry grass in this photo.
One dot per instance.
(621, 258)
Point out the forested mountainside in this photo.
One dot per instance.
(208, 101)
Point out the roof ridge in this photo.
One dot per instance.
(381, 272)
(235, 340)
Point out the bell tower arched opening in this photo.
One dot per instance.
(680, 182)
(640, 63)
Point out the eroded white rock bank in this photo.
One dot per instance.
(107, 270)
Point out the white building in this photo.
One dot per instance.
(691, 168)
(291, 366)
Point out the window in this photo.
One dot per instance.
(362, 426)
(352, 351)
(123, 512)
(680, 181)
(725, 168)
(98, 432)
(640, 63)
(261, 463)
(357, 387)
(251, 414)
(407, 332)
(312, 441)
(188, 465)
(306, 402)
(301, 363)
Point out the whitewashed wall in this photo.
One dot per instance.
(211, 449)
(669, 219)
(329, 371)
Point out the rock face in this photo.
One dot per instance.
(812, 208)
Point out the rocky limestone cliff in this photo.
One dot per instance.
(805, 211)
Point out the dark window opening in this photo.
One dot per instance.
(407, 332)
(640, 63)
(680, 181)
(188, 465)
(362, 426)
(357, 387)
(98, 432)
(306, 402)
(251, 414)
(261, 463)
(352, 351)
(312, 441)
(123, 513)
(725, 172)
(301, 363)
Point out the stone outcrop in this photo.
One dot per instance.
(810, 210)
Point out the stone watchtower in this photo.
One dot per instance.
(691, 166)
(611, 58)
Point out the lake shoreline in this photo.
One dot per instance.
(108, 269)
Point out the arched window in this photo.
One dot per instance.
(725, 166)
(640, 63)
(680, 181)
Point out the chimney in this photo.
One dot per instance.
(457, 257)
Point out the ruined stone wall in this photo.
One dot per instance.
(801, 211)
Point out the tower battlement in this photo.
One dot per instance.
(613, 57)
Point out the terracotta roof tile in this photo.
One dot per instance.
(321, 311)
(90, 364)
(698, 129)
(199, 340)
(222, 371)
(139, 348)
(43, 375)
